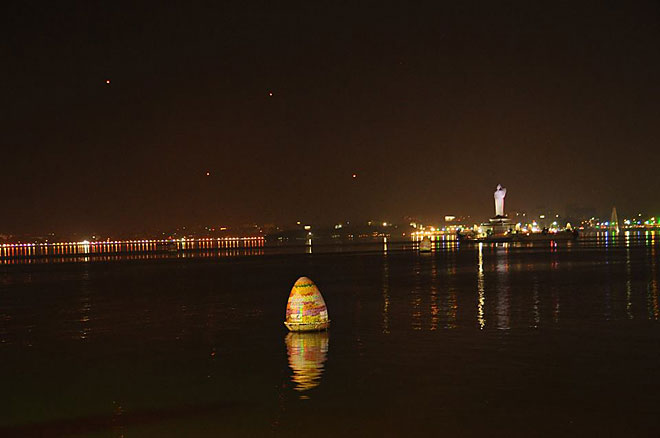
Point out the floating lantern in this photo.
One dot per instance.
(306, 310)
(425, 245)
(307, 353)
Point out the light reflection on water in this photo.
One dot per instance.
(503, 304)
(653, 284)
(416, 295)
(434, 308)
(628, 279)
(307, 353)
(386, 295)
(85, 306)
(481, 297)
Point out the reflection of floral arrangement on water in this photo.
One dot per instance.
(307, 354)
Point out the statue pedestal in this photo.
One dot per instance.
(498, 225)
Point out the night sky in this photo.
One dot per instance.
(431, 106)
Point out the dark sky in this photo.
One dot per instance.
(432, 106)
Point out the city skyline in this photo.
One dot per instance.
(570, 213)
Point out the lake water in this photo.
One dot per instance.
(548, 340)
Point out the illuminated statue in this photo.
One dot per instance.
(499, 194)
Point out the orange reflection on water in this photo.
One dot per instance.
(307, 353)
(416, 299)
(386, 295)
(628, 279)
(435, 309)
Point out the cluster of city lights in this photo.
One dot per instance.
(533, 227)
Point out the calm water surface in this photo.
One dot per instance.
(472, 341)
